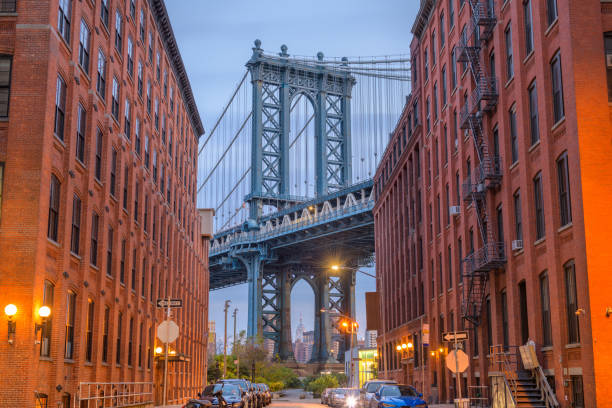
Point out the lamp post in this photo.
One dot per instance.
(405, 349)
(351, 326)
(10, 310)
(225, 309)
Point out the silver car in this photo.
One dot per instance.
(368, 390)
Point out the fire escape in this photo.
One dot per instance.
(487, 172)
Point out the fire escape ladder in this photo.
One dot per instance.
(487, 175)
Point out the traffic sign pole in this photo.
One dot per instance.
(457, 368)
(166, 356)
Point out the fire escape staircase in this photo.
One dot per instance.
(487, 174)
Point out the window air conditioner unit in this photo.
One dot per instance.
(609, 60)
(517, 244)
(455, 210)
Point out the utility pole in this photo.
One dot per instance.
(227, 303)
(235, 314)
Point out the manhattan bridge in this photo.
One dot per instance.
(288, 168)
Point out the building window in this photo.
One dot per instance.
(454, 68)
(80, 139)
(95, 221)
(137, 134)
(156, 116)
(557, 88)
(539, 206)
(136, 194)
(130, 340)
(513, 135)
(142, 26)
(545, 302)
(489, 326)
(442, 39)
(89, 331)
(608, 50)
(126, 175)
(115, 100)
(451, 13)
(118, 32)
(118, 347)
(509, 54)
(54, 204)
(150, 47)
(146, 149)
(84, 47)
(69, 340)
(571, 297)
(104, 12)
(127, 122)
(433, 49)
(63, 19)
(450, 267)
(140, 84)
(101, 82)
(158, 66)
(113, 172)
(105, 334)
(60, 107)
(141, 332)
(528, 20)
(428, 114)
(45, 336)
(149, 97)
(551, 11)
(518, 222)
(133, 280)
(435, 102)
(564, 189)
(130, 57)
(5, 84)
(426, 63)
(444, 86)
(533, 114)
(524, 315)
(504, 319)
(122, 263)
(98, 165)
(109, 252)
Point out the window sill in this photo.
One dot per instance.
(539, 241)
(69, 361)
(509, 82)
(94, 267)
(43, 358)
(534, 146)
(8, 14)
(518, 252)
(528, 57)
(54, 243)
(513, 166)
(573, 345)
(551, 26)
(547, 348)
(88, 364)
(565, 227)
(557, 125)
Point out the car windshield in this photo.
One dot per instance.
(229, 390)
(374, 386)
(340, 391)
(398, 391)
(210, 390)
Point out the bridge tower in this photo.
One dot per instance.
(276, 81)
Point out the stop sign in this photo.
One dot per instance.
(167, 331)
(457, 361)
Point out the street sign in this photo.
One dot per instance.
(455, 336)
(167, 331)
(425, 335)
(457, 361)
(163, 303)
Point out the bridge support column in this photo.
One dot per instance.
(285, 347)
(254, 265)
(322, 335)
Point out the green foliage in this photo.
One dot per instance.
(342, 379)
(318, 385)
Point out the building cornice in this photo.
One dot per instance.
(165, 28)
(422, 18)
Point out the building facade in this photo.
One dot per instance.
(98, 150)
(491, 196)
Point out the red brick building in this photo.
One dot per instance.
(491, 212)
(98, 153)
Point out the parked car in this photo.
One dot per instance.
(266, 393)
(223, 396)
(398, 395)
(246, 387)
(325, 395)
(344, 398)
(196, 403)
(368, 390)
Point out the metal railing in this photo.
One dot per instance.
(8, 6)
(258, 236)
(490, 256)
(120, 394)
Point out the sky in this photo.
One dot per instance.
(215, 38)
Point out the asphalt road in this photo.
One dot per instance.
(291, 399)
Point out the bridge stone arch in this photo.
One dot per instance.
(276, 80)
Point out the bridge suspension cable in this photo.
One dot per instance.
(225, 155)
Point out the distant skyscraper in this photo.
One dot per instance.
(299, 332)
(370, 338)
(309, 343)
(212, 338)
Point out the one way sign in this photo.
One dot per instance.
(455, 336)
(169, 303)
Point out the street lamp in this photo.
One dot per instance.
(350, 326)
(10, 310)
